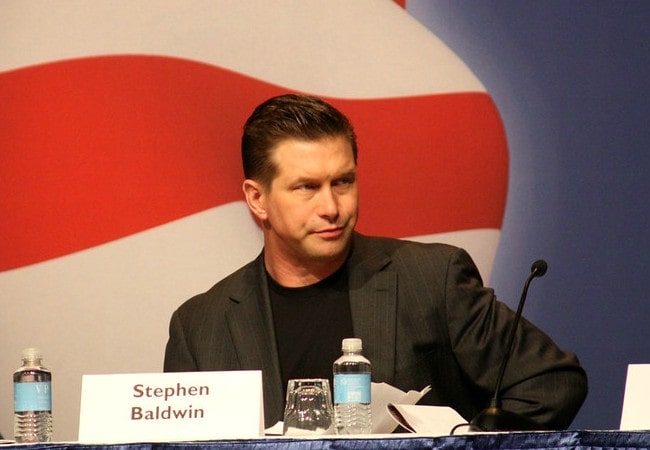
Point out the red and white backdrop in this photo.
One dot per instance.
(119, 159)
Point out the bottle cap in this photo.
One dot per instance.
(352, 345)
(32, 354)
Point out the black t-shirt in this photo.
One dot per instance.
(310, 323)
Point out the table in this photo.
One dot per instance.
(581, 439)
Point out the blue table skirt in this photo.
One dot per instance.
(505, 441)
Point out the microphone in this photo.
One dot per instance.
(494, 418)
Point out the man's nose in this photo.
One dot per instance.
(328, 204)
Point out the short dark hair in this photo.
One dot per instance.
(288, 116)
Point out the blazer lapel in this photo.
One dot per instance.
(251, 326)
(373, 301)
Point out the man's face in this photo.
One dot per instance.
(311, 206)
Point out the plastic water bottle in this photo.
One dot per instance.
(32, 399)
(352, 412)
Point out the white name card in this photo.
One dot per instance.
(637, 398)
(175, 406)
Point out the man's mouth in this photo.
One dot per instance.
(331, 233)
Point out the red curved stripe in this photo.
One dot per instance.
(96, 149)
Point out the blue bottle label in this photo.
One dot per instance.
(352, 388)
(33, 396)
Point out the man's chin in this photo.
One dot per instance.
(331, 251)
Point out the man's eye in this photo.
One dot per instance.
(344, 181)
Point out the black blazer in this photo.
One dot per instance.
(425, 318)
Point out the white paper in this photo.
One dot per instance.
(635, 414)
(382, 394)
(275, 430)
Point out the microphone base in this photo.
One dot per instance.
(497, 419)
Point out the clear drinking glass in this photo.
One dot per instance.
(308, 408)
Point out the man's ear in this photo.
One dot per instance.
(255, 195)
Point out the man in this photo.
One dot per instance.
(421, 309)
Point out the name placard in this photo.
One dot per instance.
(175, 406)
(636, 398)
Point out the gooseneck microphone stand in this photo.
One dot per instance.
(494, 417)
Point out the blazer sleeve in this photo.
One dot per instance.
(541, 381)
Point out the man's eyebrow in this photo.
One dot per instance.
(305, 179)
(352, 172)
(316, 179)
